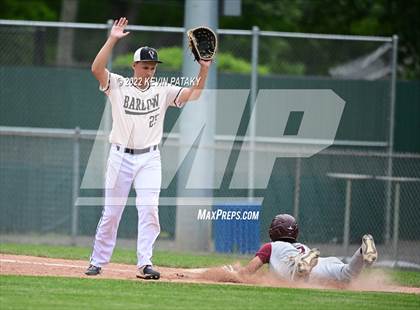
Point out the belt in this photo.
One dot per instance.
(137, 151)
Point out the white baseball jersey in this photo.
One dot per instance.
(277, 254)
(138, 115)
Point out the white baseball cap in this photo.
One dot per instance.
(146, 53)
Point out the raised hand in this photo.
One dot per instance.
(117, 30)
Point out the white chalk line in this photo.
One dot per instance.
(13, 261)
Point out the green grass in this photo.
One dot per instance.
(21, 292)
(406, 278)
(166, 258)
(160, 258)
(27, 292)
(397, 276)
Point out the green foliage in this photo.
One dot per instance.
(122, 61)
(226, 62)
(30, 9)
(280, 56)
(356, 17)
(267, 15)
(172, 61)
(173, 58)
(370, 17)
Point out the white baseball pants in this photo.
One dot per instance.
(144, 170)
(327, 269)
(332, 268)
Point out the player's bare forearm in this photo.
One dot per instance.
(99, 64)
(252, 266)
(194, 92)
(201, 78)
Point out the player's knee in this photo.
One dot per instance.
(346, 274)
(147, 198)
(148, 213)
(112, 213)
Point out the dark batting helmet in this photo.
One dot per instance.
(283, 226)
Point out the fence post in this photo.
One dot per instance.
(388, 202)
(396, 222)
(297, 188)
(76, 185)
(346, 233)
(253, 116)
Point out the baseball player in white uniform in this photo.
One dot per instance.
(138, 111)
(291, 260)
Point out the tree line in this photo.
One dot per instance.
(355, 17)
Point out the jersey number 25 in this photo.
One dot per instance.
(153, 120)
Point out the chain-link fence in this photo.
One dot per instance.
(356, 186)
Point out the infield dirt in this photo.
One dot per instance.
(41, 266)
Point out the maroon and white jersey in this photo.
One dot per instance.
(270, 251)
(277, 254)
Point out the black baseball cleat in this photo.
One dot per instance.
(148, 273)
(93, 270)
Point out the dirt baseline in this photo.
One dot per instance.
(41, 266)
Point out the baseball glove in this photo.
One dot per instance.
(203, 43)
